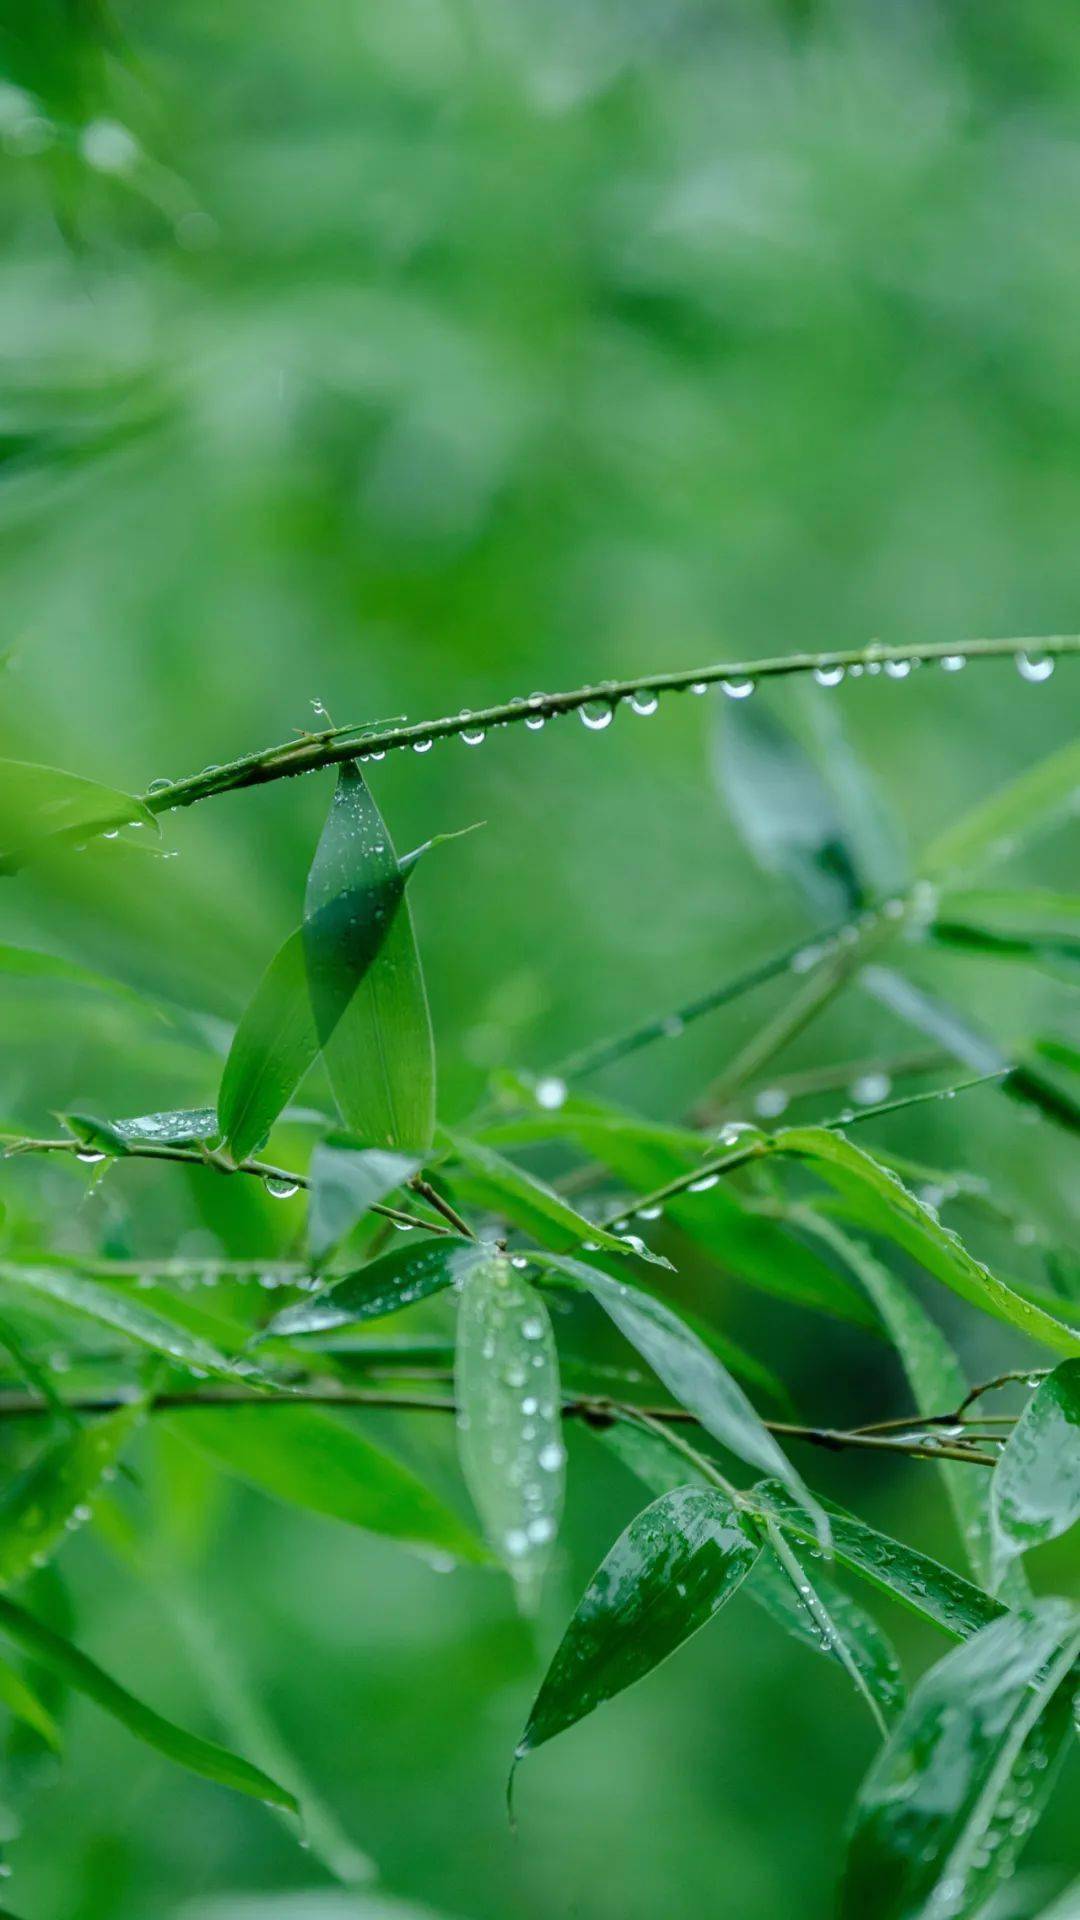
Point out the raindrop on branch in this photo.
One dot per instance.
(280, 1188)
(1034, 666)
(596, 715)
(737, 689)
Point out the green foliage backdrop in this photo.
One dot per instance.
(401, 360)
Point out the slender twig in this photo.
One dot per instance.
(203, 1157)
(435, 1199)
(593, 1410)
(1029, 1375)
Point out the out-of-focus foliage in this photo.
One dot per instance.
(398, 358)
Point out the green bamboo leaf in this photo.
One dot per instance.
(398, 1279)
(38, 803)
(691, 1372)
(675, 1566)
(112, 1308)
(174, 1128)
(367, 984)
(56, 1491)
(784, 810)
(493, 1182)
(28, 963)
(345, 1180)
(944, 1811)
(754, 1249)
(1001, 825)
(18, 1696)
(933, 1373)
(868, 1660)
(877, 1197)
(661, 1468)
(1057, 953)
(314, 1460)
(274, 1046)
(1035, 1491)
(918, 1582)
(203, 1757)
(509, 1400)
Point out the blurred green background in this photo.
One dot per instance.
(405, 358)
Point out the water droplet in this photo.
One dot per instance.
(644, 703)
(405, 1226)
(421, 746)
(596, 714)
(699, 687)
(737, 689)
(870, 1089)
(898, 669)
(734, 1131)
(952, 662)
(90, 1156)
(649, 1213)
(828, 676)
(551, 1456)
(771, 1102)
(1034, 666)
(703, 1184)
(532, 1328)
(516, 1542)
(550, 1092)
(473, 736)
(519, 1261)
(279, 1188)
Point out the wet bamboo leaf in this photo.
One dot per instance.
(38, 803)
(56, 1491)
(174, 1128)
(784, 810)
(506, 1376)
(115, 1309)
(346, 1180)
(367, 985)
(947, 1805)
(493, 1182)
(314, 1460)
(750, 1247)
(94, 1132)
(77, 1670)
(694, 1375)
(920, 1583)
(18, 1696)
(675, 1566)
(275, 1045)
(878, 1199)
(1000, 826)
(866, 1658)
(1035, 1492)
(934, 1375)
(28, 964)
(398, 1279)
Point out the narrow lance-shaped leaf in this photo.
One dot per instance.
(878, 1198)
(1035, 1492)
(367, 984)
(510, 1418)
(274, 1046)
(933, 1373)
(74, 1667)
(1000, 825)
(18, 1696)
(947, 1805)
(784, 810)
(38, 803)
(396, 1280)
(115, 1309)
(853, 1636)
(345, 1181)
(315, 1460)
(494, 1182)
(693, 1374)
(881, 1687)
(674, 1567)
(56, 1490)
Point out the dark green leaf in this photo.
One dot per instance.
(367, 984)
(867, 1659)
(174, 1128)
(315, 1460)
(203, 1757)
(56, 1491)
(510, 1419)
(694, 1375)
(345, 1180)
(398, 1279)
(671, 1571)
(944, 1810)
(784, 810)
(1035, 1492)
(274, 1046)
